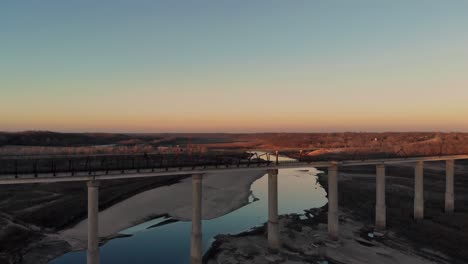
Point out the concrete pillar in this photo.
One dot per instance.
(449, 193)
(380, 208)
(273, 230)
(419, 191)
(196, 243)
(333, 202)
(93, 226)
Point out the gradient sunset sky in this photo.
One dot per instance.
(234, 66)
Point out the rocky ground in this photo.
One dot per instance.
(439, 238)
(306, 241)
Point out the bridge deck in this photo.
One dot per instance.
(96, 174)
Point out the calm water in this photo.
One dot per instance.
(170, 243)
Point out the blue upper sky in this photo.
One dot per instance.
(233, 65)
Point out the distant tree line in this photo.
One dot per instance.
(391, 143)
(46, 138)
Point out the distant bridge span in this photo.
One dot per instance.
(13, 171)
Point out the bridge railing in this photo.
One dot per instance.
(121, 163)
(106, 164)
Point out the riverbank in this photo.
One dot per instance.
(222, 194)
(30, 217)
(170, 243)
(306, 241)
(439, 238)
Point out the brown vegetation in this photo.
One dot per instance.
(313, 144)
(390, 144)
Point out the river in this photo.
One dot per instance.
(149, 242)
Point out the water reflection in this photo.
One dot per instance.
(232, 213)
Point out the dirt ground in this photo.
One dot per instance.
(446, 233)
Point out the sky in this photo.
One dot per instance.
(233, 65)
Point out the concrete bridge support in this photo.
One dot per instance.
(380, 207)
(449, 186)
(93, 226)
(273, 230)
(196, 240)
(419, 191)
(333, 202)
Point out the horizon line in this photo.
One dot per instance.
(233, 133)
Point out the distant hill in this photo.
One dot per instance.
(404, 143)
(56, 139)
(47, 138)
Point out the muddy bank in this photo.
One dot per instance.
(30, 215)
(439, 238)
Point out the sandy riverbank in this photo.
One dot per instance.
(30, 215)
(222, 194)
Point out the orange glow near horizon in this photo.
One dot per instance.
(299, 122)
(281, 67)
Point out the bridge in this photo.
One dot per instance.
(94, 169)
